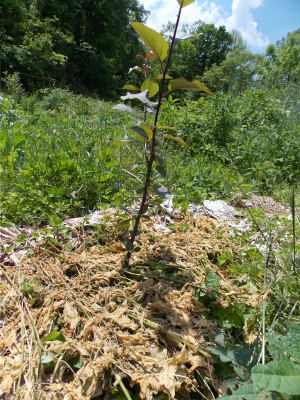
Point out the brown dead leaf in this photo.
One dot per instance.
(223, 302)
(136, 339)
(9, 372)
(122, 320)
(117, 246)
(149, 386)
(106, 339)
(67, 332)
(7, 341)
(250, 330)
(71, 316)
(168, 379)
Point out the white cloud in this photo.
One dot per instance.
(240, 18)
(163, 11)
(148, 4)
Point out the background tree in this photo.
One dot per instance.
(12, 17)
(239, 71)
(238, 42)
(85, 44)
(102, 43)
(205, 46)
(28, 44)
(282, 71)
(283, 61)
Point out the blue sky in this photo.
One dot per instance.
(261, 22)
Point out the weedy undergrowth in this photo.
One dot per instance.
(145, 131)
(276, 379)
(269, 367)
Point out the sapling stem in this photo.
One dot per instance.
(152, 157)
(293, 209)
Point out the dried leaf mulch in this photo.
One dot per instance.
(74, 325)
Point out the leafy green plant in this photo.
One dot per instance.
(14, 86)
(58, 161)
(281, 375)
(8, 112)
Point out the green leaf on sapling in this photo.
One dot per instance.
(142, 97)
(184, 3)
(176, 139)
(124, 107)
(152, 39)
(123, 225)
(183, 84)
(140, 133)
(151, 85)
(131, 87)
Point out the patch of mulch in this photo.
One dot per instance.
(144, 327)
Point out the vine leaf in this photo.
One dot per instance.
(152, 39)
(245, 391)
(48, 359)
(283, 347)
(184, 3)
(182, 83)
(55, 335)
(278, 376)
(151, 85)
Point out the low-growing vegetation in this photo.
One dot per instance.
(57, 157)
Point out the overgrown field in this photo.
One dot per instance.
(58, 158)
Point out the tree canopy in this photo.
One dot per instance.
(283, 60)
(204, 46)
(86, 44)
(239, 71)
